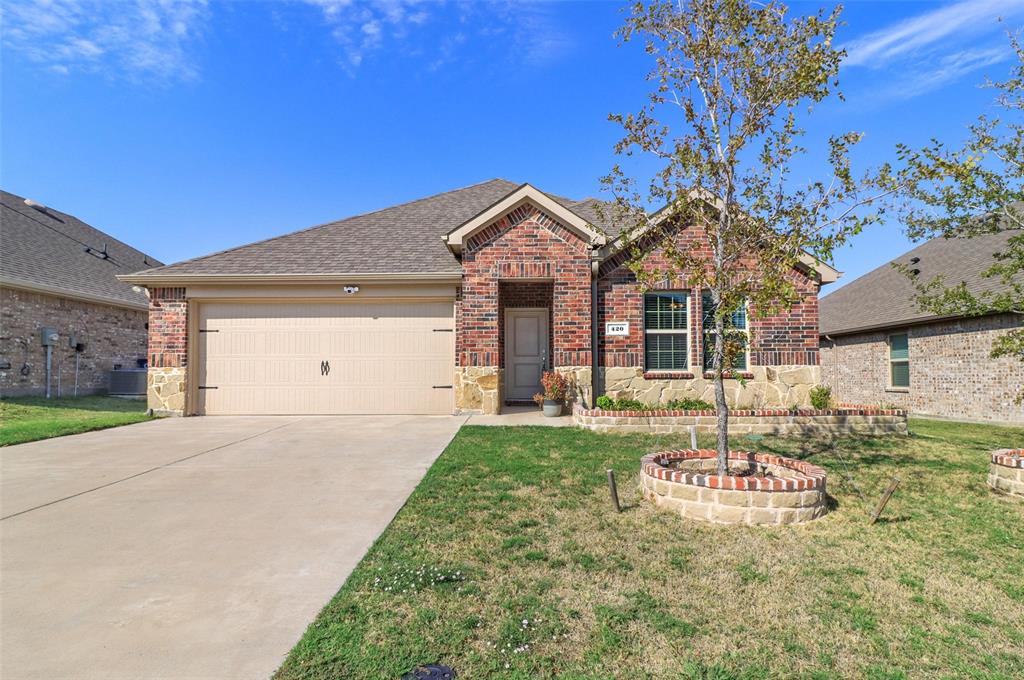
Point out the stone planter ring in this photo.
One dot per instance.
(760, 489)
(1006, 471)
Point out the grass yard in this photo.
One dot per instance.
(507, 562)
(28, 419)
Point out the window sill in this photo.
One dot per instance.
(667, 375)
(728, 375)
(903, 390)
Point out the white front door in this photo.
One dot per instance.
(526, 352)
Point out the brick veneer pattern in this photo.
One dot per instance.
(951, 372)
(788, 338)
(168, 328)
(112, 336)
(525, 244)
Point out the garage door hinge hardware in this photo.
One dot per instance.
(208, 330)
(442, 387)
(444, 330)
(325, 367)
(206, 387)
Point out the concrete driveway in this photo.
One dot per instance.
(192, 547)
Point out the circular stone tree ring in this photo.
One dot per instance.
(1006, 471)
(760, 488)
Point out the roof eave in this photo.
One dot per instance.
(157, 279)
(56, 291)
(903, 323)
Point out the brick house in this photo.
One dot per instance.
(58, 272)
(452, 303)
(879, 347)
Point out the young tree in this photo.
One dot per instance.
(731, 80)
(976, 188)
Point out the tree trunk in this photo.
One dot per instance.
(721, 407)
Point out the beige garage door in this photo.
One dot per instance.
(325, 358)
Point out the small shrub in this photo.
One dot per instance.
(821, 397)
(689, 405)
(606, 403)
(556, 386)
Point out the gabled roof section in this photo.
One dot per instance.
(524, 193)
(400, 242)
(49, 251)
(808, 263)
(886, 297)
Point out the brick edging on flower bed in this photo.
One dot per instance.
(1006, 471)
(792, 492)
(740, 413)
(810, 476)
(864, 420)
(1011, 458)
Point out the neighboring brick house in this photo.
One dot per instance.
(879, 347)
(456, 302)
(58, 272)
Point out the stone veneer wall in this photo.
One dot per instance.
(112, 335)
(951, 373)
(478, 389)
(167, 384)
(1006, 471)
(762, 387)
(842, 421)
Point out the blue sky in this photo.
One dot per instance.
(185, 128)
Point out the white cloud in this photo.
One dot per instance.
(363, 28)
(958, 21)
(130, 38)
(950, 68)
(930, 50)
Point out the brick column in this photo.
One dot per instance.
(166, 384)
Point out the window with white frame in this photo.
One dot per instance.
(735, 329)
(666, 331)
(899, 360)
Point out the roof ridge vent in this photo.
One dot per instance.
(36, 205)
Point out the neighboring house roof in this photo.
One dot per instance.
(52, 252)
(886, 297)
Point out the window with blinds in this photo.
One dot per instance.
(666, 331)
(899, 360)
(736, 329)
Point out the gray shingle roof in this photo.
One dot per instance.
(404, 239)
(885, 297)
(49, 250)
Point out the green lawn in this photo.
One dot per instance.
(30, 418)
(507, 562)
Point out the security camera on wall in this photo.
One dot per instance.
(351, 290)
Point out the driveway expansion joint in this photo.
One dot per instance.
(146, 472)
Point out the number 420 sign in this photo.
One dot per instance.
(616, 328)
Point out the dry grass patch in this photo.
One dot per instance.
(554, 584)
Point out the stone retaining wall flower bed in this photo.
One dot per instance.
(1006, 471)
(762, 489)
(840, 421)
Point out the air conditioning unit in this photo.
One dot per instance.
(128, 382)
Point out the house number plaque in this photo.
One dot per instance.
(616, 328)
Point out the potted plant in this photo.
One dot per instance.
(555, 388)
